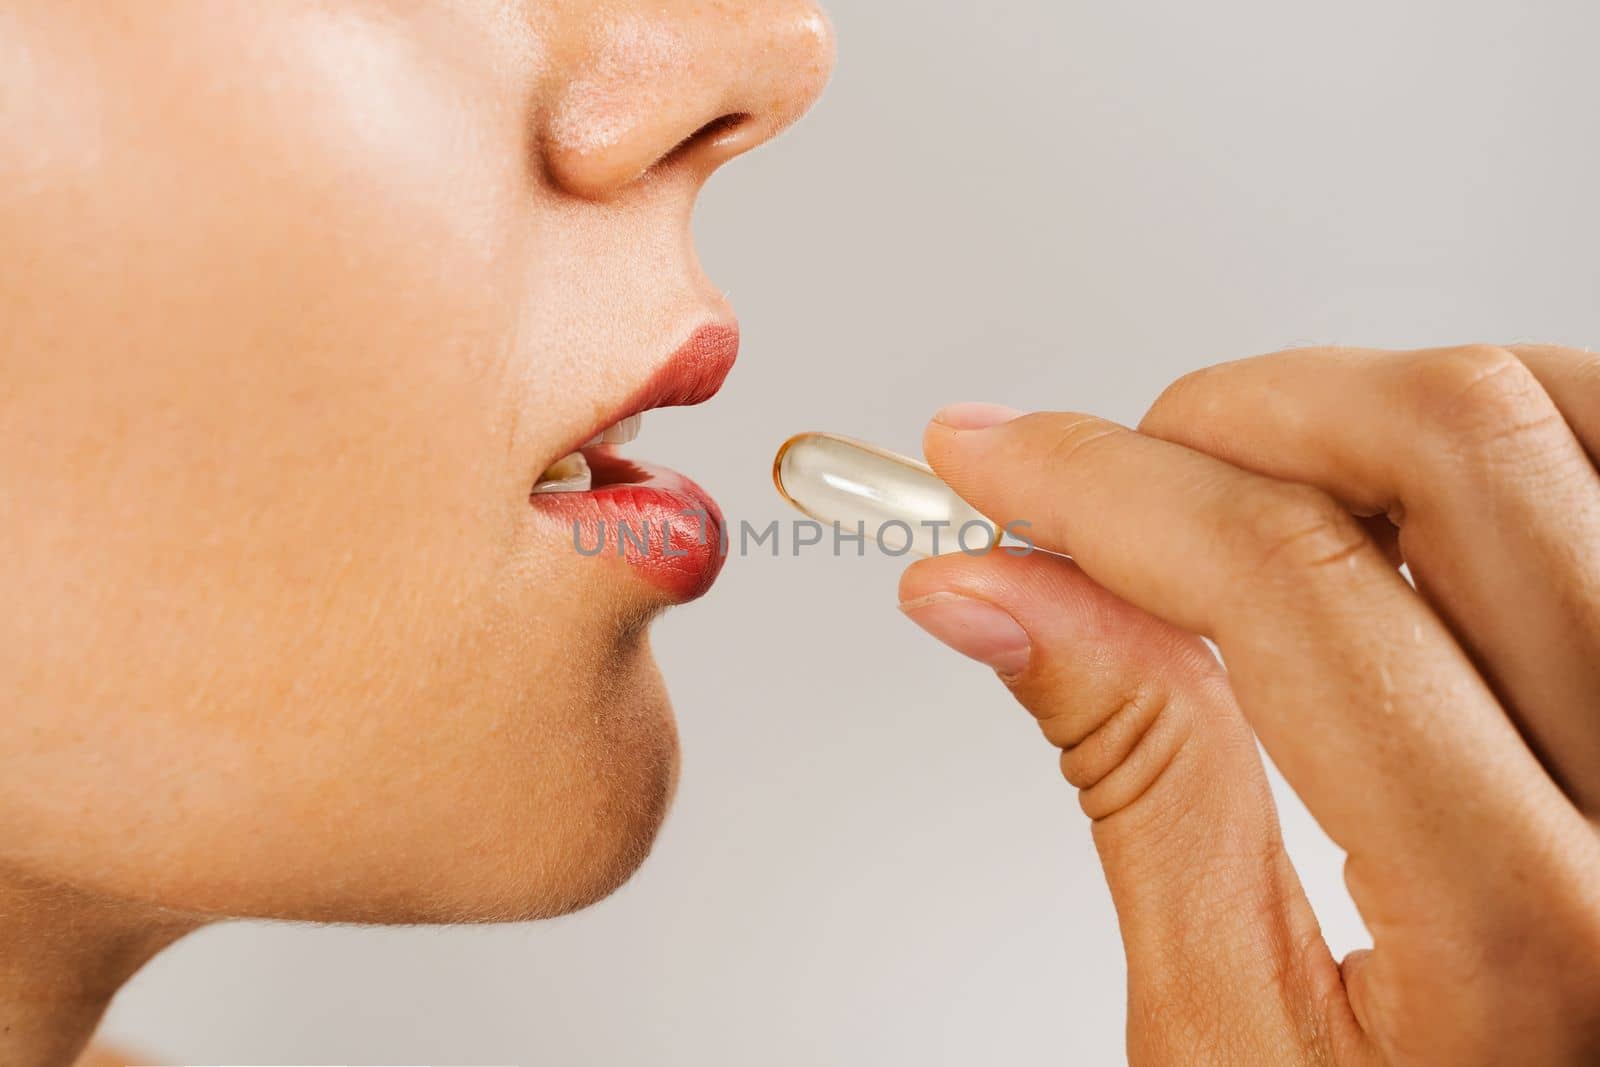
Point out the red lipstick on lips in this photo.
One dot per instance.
(661, 522)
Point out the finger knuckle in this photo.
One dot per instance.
(1581, 358)
(1297, 529)
(1071, 437)
(1097, 742)
(1119, 781)
(1559, 351)
(1481, 401)
(1191, 398)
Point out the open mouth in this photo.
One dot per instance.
(572, 473)
(656, 519)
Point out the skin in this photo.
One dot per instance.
(1445, 735)
(299, 300)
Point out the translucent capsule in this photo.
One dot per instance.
(898, 503)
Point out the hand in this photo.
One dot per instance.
(1446, 736)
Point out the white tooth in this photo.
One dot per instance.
(570, 474)
(624, 431)
(597, 439)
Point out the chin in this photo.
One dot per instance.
(639, 785)
(523, 866)
(505, 809)
(614, 780)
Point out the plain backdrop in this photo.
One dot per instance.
(1048, 203)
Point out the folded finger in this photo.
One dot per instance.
(1498, 504)
(1360, 693)
(1219, 936)
(1572, 378)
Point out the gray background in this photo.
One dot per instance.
(1062, 204)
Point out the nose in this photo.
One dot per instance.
(686, 83)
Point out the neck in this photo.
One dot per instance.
(63, 956)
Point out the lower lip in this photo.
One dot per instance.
(664, 525)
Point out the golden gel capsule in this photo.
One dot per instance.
(899, 503)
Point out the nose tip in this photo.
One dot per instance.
(689, 84)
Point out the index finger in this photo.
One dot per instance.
(1360, 694)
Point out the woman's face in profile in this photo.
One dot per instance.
(300, 300)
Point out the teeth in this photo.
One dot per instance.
(619, 433)
(623, 432)
(570, 474)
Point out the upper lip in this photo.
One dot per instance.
(691, 375)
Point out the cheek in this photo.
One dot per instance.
(278, 499)
(314, 314)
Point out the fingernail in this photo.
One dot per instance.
(974, 628)
(974, 416)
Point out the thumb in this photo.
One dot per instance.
(1225, 958)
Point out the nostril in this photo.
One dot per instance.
(709, 134)
(666, 91)
(598, 170)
